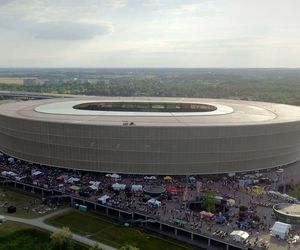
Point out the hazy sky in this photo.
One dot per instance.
(149, 33)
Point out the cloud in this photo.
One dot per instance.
(57, 30)
(57, 20)
(69, 30)
(6, 2)
(3, 2)
(116, 3)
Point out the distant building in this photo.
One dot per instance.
(29, 81)
(92, 81)
(41, 81)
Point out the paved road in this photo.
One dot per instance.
(39, 222)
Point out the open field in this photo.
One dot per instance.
(10, 227)
(115, 234)
(11, 80)
(18, 236)
(24, 202)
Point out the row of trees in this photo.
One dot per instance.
(272, 90)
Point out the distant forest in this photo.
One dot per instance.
(271, 85)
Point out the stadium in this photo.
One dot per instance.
(148, 135)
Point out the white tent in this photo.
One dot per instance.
(12, 173)
(150, 177)
(11, 160)
(136, 188)
(154, 202)
(239, 235)
(9, 173)
(71, 180)
(36, 173)
(18, 178)
(94, 185)
(115, 176)
(103, 199)
(118, 186)
(280, 229)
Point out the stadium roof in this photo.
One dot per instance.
(228, 112)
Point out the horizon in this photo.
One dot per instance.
(258, 68)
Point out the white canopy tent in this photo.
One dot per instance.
(137, 188)
(36, 172)
(94, 185)
(71, 180)
(115, 176)
(18, 178)
(239, 235)
(150, 178)
(8, 173)
(280, 229)
(118, 186)
(154, 202)
(11, 160)
(12, 173)
(103, 199)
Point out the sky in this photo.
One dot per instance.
(149, 33)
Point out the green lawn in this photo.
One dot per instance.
(9, 227)
(24, 202)
(18, 236)
(115, 234)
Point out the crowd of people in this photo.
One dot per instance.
(252, 196)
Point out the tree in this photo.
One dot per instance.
(62, 240)
(295, 190)
(209, 203)
(95, 247)
(129, 247)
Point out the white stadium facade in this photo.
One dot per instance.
(148, 135)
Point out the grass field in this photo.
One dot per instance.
(10, 227)
(11, 80)
(18, 236)
(24, 203)
(115, 234)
